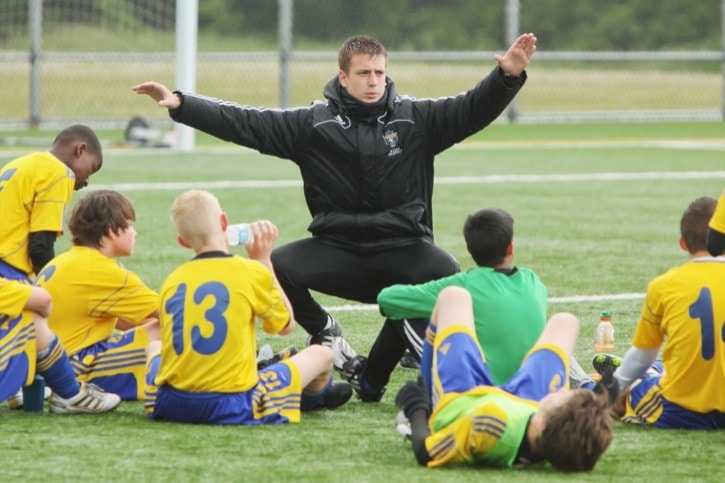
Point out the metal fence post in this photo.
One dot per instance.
(285, 50)
(35, 28)
(512, 32)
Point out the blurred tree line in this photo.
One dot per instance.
(480, 25)
(421, 24)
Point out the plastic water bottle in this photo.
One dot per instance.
(239, 234)
(604, 334)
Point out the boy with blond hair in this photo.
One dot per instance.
(204, 370)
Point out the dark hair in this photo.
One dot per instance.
(577, 434)
(97, 213)
(488, 233)
(79, 132)
(694, 223)
(360, 44)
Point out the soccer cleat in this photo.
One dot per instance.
(352, 372)
(604, 363)
(16, 401)
(90, 400)
(265, 352)
(331, 336)
(338, 394)
(408, 361)
(285, 353)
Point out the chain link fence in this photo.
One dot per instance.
(76, 60)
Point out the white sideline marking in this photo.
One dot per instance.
(451, 180)
(552, 300)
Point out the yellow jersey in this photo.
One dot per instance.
(208, 310)
(90, 292)
(34, 192)
(13, 296)
(717, 222)
(685, 309)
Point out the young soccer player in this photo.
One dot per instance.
(94, 295)
(34, 191)
(531, 418)
(27, 346)
(509, 308)
(686, 307)
(204, 370)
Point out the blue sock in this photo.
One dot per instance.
(55, 367)
(310, 400)
(426, 359)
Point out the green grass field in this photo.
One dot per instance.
(597, 209)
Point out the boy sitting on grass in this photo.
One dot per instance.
(94, 295)
(204, 370)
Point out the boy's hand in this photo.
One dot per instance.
(264, 234)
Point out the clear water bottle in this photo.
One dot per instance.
(604, 334)
(239, 234)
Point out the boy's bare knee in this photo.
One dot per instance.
(565, 321)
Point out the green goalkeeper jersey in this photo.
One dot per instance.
(509, 309)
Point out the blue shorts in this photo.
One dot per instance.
(116, 365)
(274, 400)
(645, 405)
(11, 273)
(543, 371)
(17, 353)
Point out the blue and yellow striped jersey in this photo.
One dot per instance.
(484, 425)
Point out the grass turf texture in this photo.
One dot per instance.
(587, 237)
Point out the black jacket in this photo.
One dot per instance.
(368, 183)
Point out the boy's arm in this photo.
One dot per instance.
(635, 364)
(715, 242)
(260, 249)
(410, 301)
(41, 248)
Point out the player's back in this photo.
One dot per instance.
(37, 184)
(207, 316)
(691, 301)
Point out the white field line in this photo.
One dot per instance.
(552, 300)
(453, 180)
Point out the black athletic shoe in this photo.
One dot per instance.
(352, 372)
(338, 394)
(408, 361)
(604, 363)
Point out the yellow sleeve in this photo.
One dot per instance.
(13, 297)
(717, 222)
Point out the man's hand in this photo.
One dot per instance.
(160, 93)
(518, 56)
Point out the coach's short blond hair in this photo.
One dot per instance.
(196, 215)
